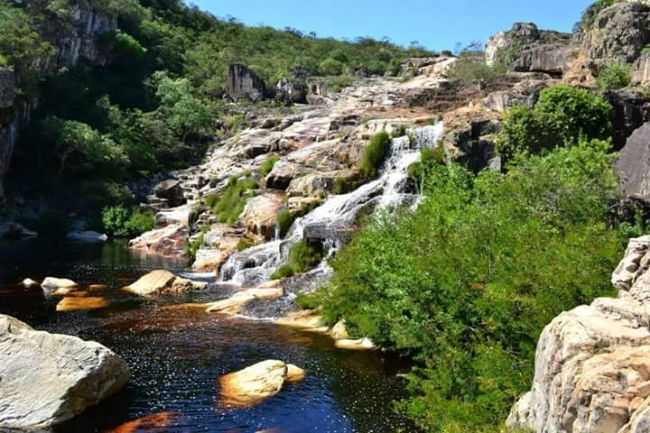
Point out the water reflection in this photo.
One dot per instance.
(177, 353)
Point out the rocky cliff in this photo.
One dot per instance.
(78, 42)
(592, 367)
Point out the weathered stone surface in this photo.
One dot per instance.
(633, 165)
(631, 110)
(295, 374)
(163, 282)
(361, 344)
(641, 70)
(549, 58)
(592, 366)
(53, 283)
(48, 379)
(260, 214)
(618, 34)
(168, 241)
(243, 83)
(172, 191)
(255, 383)
(234, 304)
(81, 303)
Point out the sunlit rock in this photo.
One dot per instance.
(81, 303)
(47, 379)
(154, 423)
(50, 284)
(238, 301)
(360, 344)
(163, 282)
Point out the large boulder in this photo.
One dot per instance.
(260, 215)
(256, 383)
(163, 282)
(631, 110)
(526, 48)
(592, 366)
(243, 83)
(168, 241)
(633, 165)
(172, 191)
(46, 379)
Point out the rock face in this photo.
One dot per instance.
(641, 70)
(631, 110)
(592, 367)
(162, 283)
(48, 379)
(171, 191)
(256, 383)
(618, 34)
(525, 48)
(77, 41)
(633, 165)
(260, 214)
(243, 83)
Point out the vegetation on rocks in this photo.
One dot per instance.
(374, 155)
(229, 203)
(562, 116)
(466, 283)
(614, 77)
(302, 258)
(124, 223)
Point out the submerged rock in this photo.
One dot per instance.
(256, 383)
(360, 344)
(28, 283)
(87, 236)
(81, 303)
(163, 282)
(48, 378)
(154, 422)
(238, 301)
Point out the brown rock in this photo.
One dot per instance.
(69, 304)
(163, 282)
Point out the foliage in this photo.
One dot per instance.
(615, 76)
(267, 165)
(302, 257)
(230, 203)
(562, 116)
(374, 155)
(331, 67)
(123, 223)
(429, 158)
(469, 69)
(466, 283)
(194, 245)
(590, 14)
(285, 220)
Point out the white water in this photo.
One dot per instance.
(331, 221)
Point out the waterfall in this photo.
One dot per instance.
(332, 222)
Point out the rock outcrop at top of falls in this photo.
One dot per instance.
(46, 379)
(592, 367)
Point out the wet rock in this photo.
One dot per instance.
(234, 304)
(14, 231)
(87, 236)
(633, 165)
(168, 241)
(361, 344)
(149, 423)
(295, 374)
(48, 378)
(592, 366)
(163, 282)
(52, 283)
(70, 304)
(28, 283)
(243, 83)
(339, 331)
(304, 319)
(172, 191)
(260, 214)
(254, 384)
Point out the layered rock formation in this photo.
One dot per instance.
(633, 165)
(592, 367)
(46, 379)
(244, 83)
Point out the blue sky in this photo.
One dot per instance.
(437, 24)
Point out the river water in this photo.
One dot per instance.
(177, 354)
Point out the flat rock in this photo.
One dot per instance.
(53, 283)
(162, 282)
(48, 378)
(76, 303)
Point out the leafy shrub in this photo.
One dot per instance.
(245, 243)
(561, 117)
(302, 258)
(466, 283)
(267, 166)
(194, 245)
(375, 154)
(614, 77)
(331, 67)
(230, 203)
(469, 69)
(429, 159)
(122, 223)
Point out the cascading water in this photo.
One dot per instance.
(332, 222)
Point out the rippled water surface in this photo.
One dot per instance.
(176, 354)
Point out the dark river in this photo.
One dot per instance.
(177, 354)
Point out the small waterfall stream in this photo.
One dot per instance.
(332, 222)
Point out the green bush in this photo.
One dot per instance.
(230, 203)
(267, 166)
(374, 155)
(614, 77)
(194, 245)
(302, 258)
(561, 117)
(331, 67)
(122, 223)
(470, 70)
(466, 283)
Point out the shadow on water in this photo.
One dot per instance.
(177, 354)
